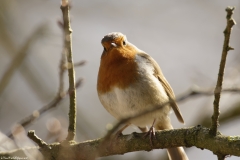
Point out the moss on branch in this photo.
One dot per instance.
(197, 136)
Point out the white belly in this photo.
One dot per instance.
(147, 92)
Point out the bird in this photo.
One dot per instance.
(131, 81)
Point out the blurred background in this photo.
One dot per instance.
(184, 37)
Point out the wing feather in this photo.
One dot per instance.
(159, 75)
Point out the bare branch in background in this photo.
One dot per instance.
(36, 114)
(78, 64)
(20, 56)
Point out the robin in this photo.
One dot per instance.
(129, 81)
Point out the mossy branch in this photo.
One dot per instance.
(197, 136)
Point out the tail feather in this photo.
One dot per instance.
(177, 153)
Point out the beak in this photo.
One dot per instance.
(113, 44)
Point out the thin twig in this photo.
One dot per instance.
(71, 73)
(226, 48)
(78, 64)
(36, 139)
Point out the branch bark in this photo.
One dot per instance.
(71, 73)
(227, 32)
(36, 139)
(197, 136)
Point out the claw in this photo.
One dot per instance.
(151, 133)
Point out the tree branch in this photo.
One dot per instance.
(36, 139)
(226, 48)
(71, 73)
(197, 136)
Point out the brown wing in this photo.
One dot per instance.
(165, 84)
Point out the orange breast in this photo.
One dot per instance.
(117, 68)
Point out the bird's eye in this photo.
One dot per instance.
(124, 43)
(104, 49)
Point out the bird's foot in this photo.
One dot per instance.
(151, 134)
